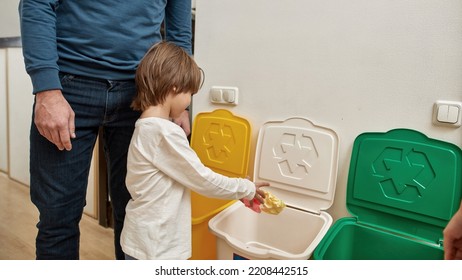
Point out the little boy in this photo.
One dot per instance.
(161, 166)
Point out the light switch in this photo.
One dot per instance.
(447, 113)
(442, 113)
(453, 114)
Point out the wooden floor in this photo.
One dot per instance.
(18, 217)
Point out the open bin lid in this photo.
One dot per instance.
(299, 159)
(222, 142)
(404, 181)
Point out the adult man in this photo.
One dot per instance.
(81, 57)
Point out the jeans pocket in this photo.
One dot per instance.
(65, 78)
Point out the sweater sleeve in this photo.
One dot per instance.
(178, 24)
(178, 160)
(38, 34)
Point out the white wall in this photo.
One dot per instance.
(351, 65)
(9, 18)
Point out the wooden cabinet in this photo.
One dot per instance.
(3, 114)
(20, 100)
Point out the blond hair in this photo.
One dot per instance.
(166, 68)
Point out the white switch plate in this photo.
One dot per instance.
(447, 113)
(224, 95)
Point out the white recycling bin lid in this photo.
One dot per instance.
(299, 159)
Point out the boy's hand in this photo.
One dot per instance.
(258, 199)
(260, 194)
(183, 122)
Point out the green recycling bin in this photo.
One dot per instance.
(402, 190)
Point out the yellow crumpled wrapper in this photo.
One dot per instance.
(272, 204)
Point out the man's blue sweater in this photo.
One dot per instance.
(103, 39)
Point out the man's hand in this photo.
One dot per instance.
(54, 118)
(453, 237)
(183, 122)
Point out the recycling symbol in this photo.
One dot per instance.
(295, 155)
(403, 175)
(219, 141)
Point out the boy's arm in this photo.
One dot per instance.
(179, 161)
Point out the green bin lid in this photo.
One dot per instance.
(404, 182)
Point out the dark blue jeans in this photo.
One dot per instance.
(59, 178)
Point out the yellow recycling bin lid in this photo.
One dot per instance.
(222, 142)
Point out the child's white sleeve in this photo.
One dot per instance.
(179, 161)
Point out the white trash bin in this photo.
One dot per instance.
(299, 160)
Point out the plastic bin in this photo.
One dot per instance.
(203, 209)
(403, 188)
(222, 142)
(299, 160)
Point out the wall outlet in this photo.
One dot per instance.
(224, 95)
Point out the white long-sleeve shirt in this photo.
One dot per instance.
(161, 170)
